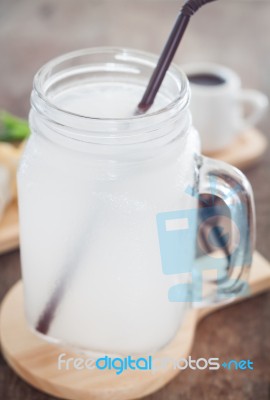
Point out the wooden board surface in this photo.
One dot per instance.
(9, 229)
(245, 151)
(36, 361)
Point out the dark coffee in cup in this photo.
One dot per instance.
(206, 79)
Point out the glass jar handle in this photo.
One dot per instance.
(223, 181)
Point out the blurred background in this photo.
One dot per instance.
(231, 32)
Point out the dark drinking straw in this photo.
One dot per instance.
(168, 53)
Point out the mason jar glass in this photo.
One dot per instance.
(100, 201)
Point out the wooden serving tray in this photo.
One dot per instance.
(9, 229)
(246, 150)
(35, 361)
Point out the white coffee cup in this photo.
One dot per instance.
(221, 109)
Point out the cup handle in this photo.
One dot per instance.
(258, 103)
(221, 180)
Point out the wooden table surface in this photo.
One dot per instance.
(235, 33)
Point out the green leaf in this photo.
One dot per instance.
(12, 128)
